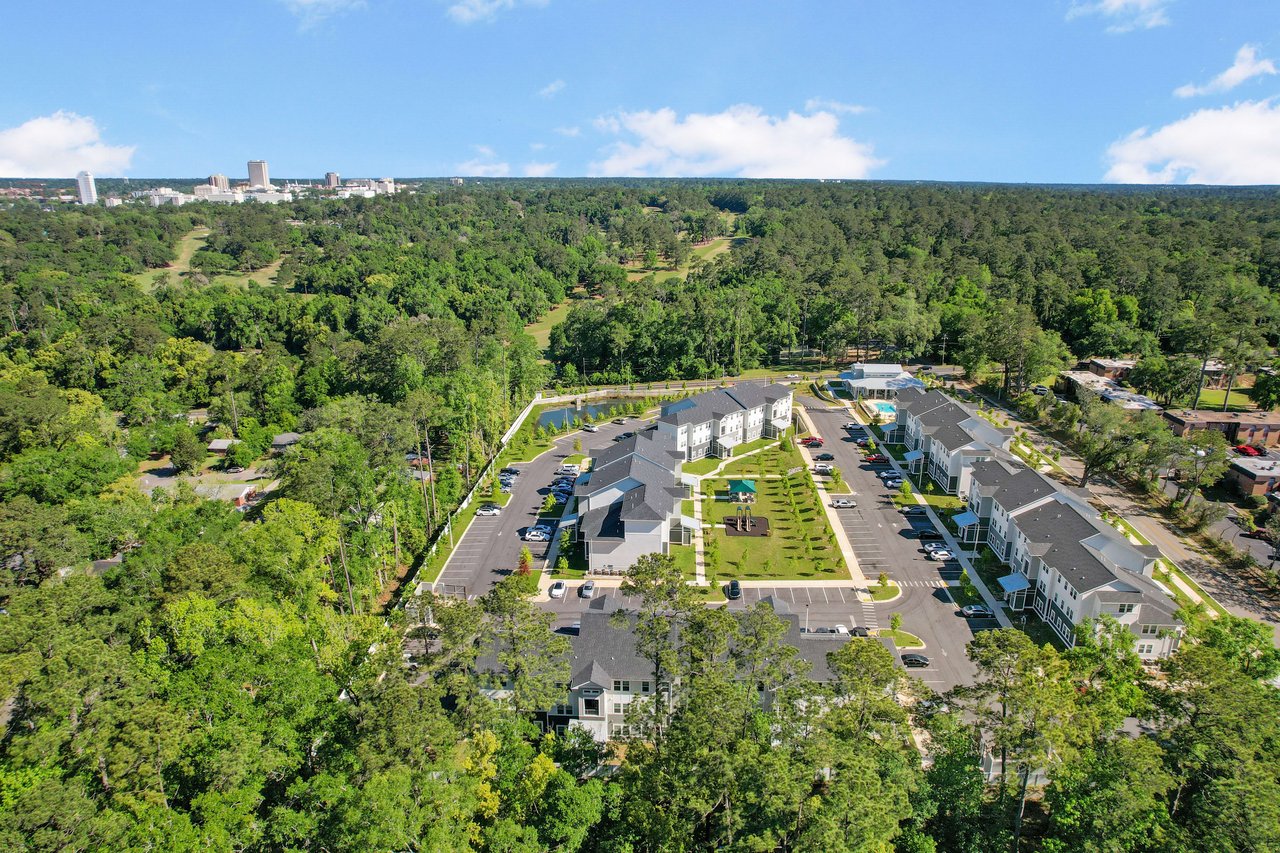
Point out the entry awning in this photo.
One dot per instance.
(965, 519)
(1014, 582)
(913, 455)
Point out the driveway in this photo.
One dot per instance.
(489, 550)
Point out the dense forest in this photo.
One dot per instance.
(234, 681)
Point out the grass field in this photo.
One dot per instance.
(541, 330)
(799, 546)
(191, 243)
(1212, 399)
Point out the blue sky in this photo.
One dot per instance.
(1079, 91)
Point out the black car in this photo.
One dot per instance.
(510, 472)
(825, 457)
(915, 661)
(928, 533)
(859, 631)
(735, 590)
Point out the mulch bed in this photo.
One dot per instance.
(759, 527)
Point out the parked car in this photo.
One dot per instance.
(823, 468)
(976, 611)
(489, 510)
(942, 555)
(851, 425)
(825, 457)
(893, 483)
(509, 472)
(935, 546)
(587, 590)
(558, 589)
(811, 441)
(624, 436)
(1248, 450)
(533, 534)
(560, 497)
(888, 474)
(862, 442)
(840, 629)
(877, 458)
(927, 533)
(915, 661)
(843, 503)
(1039, 390)
(619, 420)
(590, 428)
(235, 469)
(547, 526)
(793, 375)
(505, 488)
(734, 591)
(859, 631)
(913, 510)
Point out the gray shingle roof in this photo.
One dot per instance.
(715, 404)
(1012, 485)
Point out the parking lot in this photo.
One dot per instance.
(489, 550)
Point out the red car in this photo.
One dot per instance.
(877, 458)
(1248, 450)
(812, 442)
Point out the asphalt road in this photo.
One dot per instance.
(881, 538)
(489, 550)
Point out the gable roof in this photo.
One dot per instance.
(1010, 484)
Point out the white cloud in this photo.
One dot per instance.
(551, 89)
(814, 105)
(741, 141)
(1239, 144)
(1247, 65)
(312, 12)
(471, 11)
(569, 131)
(485, 165)
(1124, 15)
(539, 170)
(59, 145)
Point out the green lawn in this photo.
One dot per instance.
(1212, 399)
(705, 465)
(753, 445)
(775, 460)
(799, 546)
(685, 556)
(541, 330)
(963, 595)
(686, 507)
(903, 639)
(883, 593)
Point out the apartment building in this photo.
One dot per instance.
(945, 438)
(714, 423)
(1069, 565)
(629, 502)
(606, 674)
(1261, 429)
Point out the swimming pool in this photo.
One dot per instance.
(889, 410)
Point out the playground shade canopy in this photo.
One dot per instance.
(742, 487)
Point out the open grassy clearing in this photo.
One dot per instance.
(800, 544)
(1212, 399)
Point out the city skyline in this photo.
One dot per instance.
(1126, 91)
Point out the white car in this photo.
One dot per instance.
(489, 510)
(941, 555)
(822, 468)
(590, 428)
(843, 503)
(534, 534)
(557, 589)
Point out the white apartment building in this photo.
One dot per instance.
(714, 423)
(944, 438)
(1068, 564)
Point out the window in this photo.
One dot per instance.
(645, 687)
(591, 707)
(1124, 608)
(618, 707)
(1150, 630)
(621, 686)
(1146, 648)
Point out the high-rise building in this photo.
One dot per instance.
(220, 181)
(331, 180)
(258, 176)
(88, 189)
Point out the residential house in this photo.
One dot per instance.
(877, 381)
(713, 423)
(284, 441)
(945, 438)
(220, 446)
(1069, 564)
(1261, 429)
(1111, 368)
